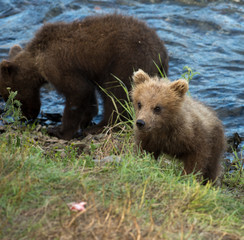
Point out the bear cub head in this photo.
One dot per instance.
(17, 75)
(156, 101)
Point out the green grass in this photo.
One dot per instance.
(136, 198)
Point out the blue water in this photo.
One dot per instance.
(207, 36)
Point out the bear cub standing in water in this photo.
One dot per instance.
(77, 58)
(168, 121)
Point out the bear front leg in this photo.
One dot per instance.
(80, 106)
(213, 169)
(192, 164)
(76, 114)
(70, 123)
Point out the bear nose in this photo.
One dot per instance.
(140, 123)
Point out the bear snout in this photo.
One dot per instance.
(140, 123)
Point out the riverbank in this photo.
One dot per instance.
(127, 195)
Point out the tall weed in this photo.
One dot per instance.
(12, 110)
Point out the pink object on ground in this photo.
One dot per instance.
(77, 206)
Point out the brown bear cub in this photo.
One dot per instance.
(168, 121)
(77, 58)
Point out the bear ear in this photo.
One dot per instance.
(180, 87)
(14, 51)
(140, 76)
(7, 68)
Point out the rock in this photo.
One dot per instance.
(108, 159)
(233, 142)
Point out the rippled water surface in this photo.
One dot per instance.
(207, 36)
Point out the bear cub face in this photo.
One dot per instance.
(156, 101)
(168, 121)
(12, 73)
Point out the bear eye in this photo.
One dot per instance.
(157, 109)
(139, 105)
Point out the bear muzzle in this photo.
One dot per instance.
(140, 123)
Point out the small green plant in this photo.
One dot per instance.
(189, 74)
(12, 109)
(234, 178)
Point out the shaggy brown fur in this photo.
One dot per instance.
(168, 121)
(76, 57)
